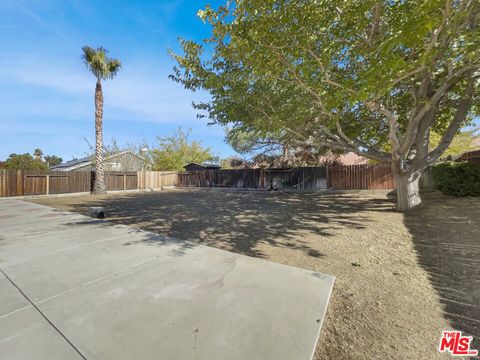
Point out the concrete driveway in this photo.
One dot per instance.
(72, 287)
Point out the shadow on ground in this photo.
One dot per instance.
(446, 236)
(238, 221)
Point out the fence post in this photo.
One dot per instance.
(327, 177)
(20, 182)
(124, 181)
(47, 191)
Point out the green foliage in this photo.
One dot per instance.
(306, 69)
(98, 62)
(38, 153)
(246, 141)
(52, 160)
(461, 143)
(457, 178)
(174, 152)
(24, 162)
(234, 162)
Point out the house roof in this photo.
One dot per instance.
(77, 163)
(74, 162)
(349, 158)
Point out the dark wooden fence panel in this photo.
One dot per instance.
(60, 182)
(360, 177)
(80, 181)
(35, 183)
(131, 181)
(121, 180)
(305, 179)
(471, 156)
(344, 177)
(114, 181)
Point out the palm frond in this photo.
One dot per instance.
(114, 65)
(98, 62)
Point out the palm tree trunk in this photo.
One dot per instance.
(99, 183)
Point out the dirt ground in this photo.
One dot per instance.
(400, 279)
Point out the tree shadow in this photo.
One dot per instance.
(446, 236)
(238, 221)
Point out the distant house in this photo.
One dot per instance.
(121, 161)
(349, 158)
(203, 166)
(471, 156)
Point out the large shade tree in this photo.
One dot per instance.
(374, 77)
(103, 68)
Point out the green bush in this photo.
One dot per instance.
(457, 178)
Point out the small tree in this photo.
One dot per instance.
(103, 68)
(24, 162)
(234, 162)
(374, 77)
(53, 160)
(174, 152)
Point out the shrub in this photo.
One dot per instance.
(457, 178)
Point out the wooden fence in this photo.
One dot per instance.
(156, 179)
(373, 177)
(369, 177)
(471, 156)
(20, 182)
(305, 179)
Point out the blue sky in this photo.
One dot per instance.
(47, 93)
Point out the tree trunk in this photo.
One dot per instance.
(408, 194)
(99, 183)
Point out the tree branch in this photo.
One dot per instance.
(414, 122)
(393, 125)
(459, 117)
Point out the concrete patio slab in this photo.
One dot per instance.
(92, 289)
(10, 297)
(27, 335)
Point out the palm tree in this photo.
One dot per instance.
(103, 67)
(38, 153)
